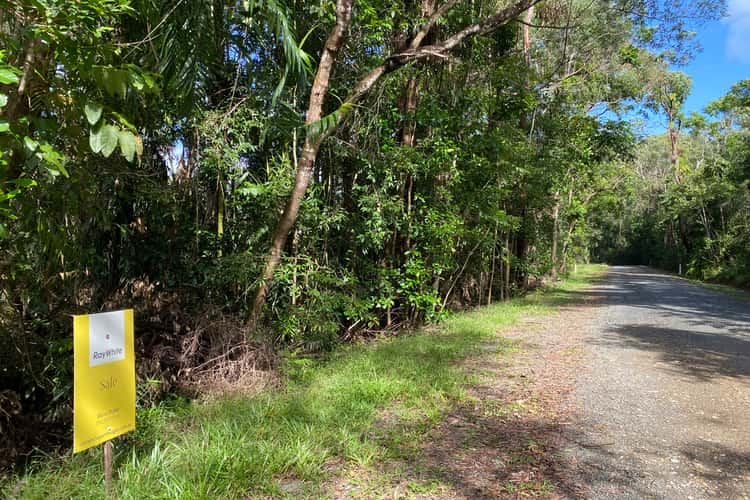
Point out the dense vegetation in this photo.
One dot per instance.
(254, 176)
(686, 203)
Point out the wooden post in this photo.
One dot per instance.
(108, 467)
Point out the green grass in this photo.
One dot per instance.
(737, 293)
(365, 404)
(726, 289)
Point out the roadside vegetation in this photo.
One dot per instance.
(267, 182)
(684, 205)
(322, 416)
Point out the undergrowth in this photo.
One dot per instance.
(327, 412)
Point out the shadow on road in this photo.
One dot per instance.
(695, 331)
(718, 462)
(695, 354)
(671, 296)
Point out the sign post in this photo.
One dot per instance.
(108, 468)
(103, 381)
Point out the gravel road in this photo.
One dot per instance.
(665, 401)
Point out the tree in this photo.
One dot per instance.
(319, 129)
(668, 94)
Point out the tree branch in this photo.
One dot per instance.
(441, 49)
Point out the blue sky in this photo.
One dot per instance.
(725, 58)
(723, 61)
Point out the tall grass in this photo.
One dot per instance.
(327, 412)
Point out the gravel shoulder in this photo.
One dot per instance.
(505, 438)
(664, 401)
(637, 387)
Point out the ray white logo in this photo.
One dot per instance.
(106, 337)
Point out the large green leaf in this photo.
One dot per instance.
(93, 112)
(103, 139)
(95, 139)
(142, 81)
(7, 76)
(30, 144)
(109, 140)
(54, 160)
(24, 182)
(3, 100)
(327, 123)
(114, 80)
(127, 144)
(4, 126)
(251, 189)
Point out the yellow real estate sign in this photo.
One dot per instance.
(103, 377)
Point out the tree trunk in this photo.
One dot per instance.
(408, 139)
(507, 265)
(555, 231)
(408, 132)
(307, 159)
(527, 36)
(18, 103)
(674, 150)
(492, 265)
(415, 52)
(525, 121)
(220, 210)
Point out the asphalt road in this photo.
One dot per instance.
(665, 401)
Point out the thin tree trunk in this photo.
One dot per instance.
(527, 36)
(220, 209)
(555, 231)
(295, 259)
(408, 133)
(566, 243)
(408, 138)
(525, 121)
(492, 271)
(507, 265)
(16, 98)
(501, 272)
(674, 151)
(409, 129)
(307, 159)
(402, 239)
(18, 104)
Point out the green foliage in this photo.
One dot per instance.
(93, 112)
(695, 221)
(148, 148)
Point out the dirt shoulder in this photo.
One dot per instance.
(506, 438)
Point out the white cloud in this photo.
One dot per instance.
(738, 39)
